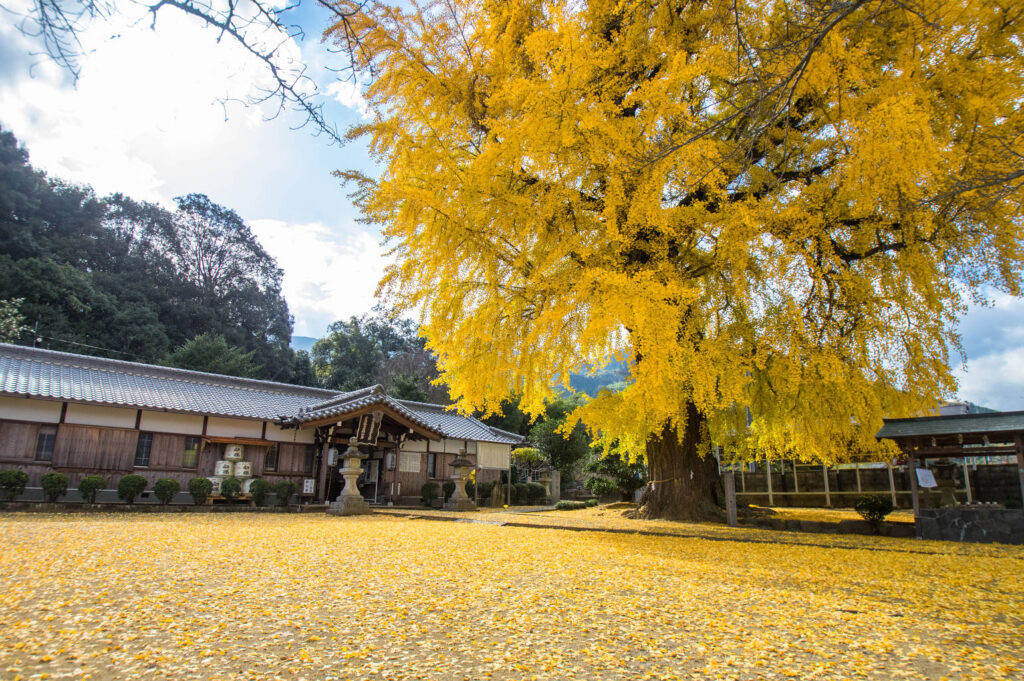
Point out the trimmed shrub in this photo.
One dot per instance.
(570, 505)
(590, 503)
(283, 491)
(601, 487)
(129, 487)
(13, 483)
(165, 489)
(873, 508)
(429, 492)
(535, 492)
(200, 489)
(54, 485)
(230, 487)
(483, 491)
(448, 488)
(89, 486)
(259, 489)
(520, 493)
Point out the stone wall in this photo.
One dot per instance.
(965, 523)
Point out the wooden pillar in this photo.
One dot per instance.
(321, 485)
(912, 468)
(967, 480)
(796, 480)
(730, 498)
(743, 479)
(771, 495)
(856, 470)
(1020, 466)
(828, 492)
(892, 483)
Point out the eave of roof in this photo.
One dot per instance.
(53, 375)
(960, 424)
(48, 374)
(459, 427)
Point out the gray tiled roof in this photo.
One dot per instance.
(458, 427)
(347, 403)
(995, 422)
(433, 417)
(34, 372)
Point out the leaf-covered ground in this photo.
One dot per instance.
(385, 597)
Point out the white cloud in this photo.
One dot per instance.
(993, 338)
(327, 277)
(143, 97)
(995, 380)
(349, 95)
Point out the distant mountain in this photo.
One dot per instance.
(615, 372)
(303, 343)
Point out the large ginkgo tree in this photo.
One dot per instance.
(775, 211)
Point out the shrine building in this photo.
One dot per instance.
(82, 415)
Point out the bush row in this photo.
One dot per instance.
(522, 493)
(129, 487)
(575, 505)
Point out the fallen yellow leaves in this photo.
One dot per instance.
(305, 597)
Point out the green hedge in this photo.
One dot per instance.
(90, 486)
(429, 493)
(13, 483)
(129, 487)
(260, 490)
(200, 489)
(55, 485)
(230, 487)
(166, 489)
(284, 490)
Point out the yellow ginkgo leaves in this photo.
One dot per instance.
(240, 596)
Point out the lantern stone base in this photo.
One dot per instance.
(353, 505)
(461, 504)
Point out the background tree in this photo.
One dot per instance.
(12, 323)
(377, 348)
(771, 211)
(563, 451)
(615, 473)
(212, 354)
(117, 278)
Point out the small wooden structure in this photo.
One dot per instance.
(956, 437)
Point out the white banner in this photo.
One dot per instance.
(925, 478)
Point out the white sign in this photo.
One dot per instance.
(308, 485)
(925, 478)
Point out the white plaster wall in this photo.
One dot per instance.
(181, 424)
(21, 409)
(416, 446)
(222, 427)
(451, 446)
(91, 415)
(302, 435)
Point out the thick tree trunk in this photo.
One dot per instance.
(686, 486)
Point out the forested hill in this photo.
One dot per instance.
(127, 280)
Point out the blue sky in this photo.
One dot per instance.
(146, 119)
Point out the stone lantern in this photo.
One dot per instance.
(546, 480)
(459, 500)
(350, 501)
